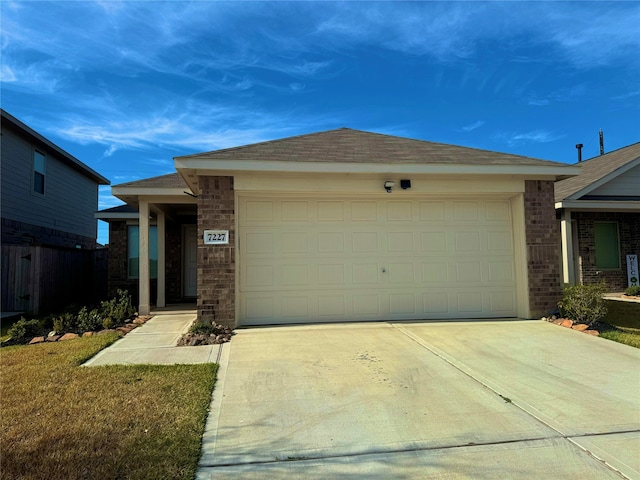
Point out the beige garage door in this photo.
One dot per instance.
(326, 260)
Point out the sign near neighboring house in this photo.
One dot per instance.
(216, 237)
(632, 270)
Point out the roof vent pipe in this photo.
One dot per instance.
(579, 147)
(601, 142)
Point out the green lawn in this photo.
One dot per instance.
(62, 421)
(631, 338)
(625, 318)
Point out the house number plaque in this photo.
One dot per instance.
(216, 237)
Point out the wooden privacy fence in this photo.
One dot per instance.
(43, 279)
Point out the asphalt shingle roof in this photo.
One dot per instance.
(172, 180)
(345, 145)
(596, 168)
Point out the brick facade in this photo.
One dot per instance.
(629, 236)
(118, 259)
(216, 263)
(543, 247)
(117, 272)
(20, 233)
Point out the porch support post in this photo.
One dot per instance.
(143, 274)
(161, 301)
(568, 273)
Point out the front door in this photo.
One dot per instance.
(190, 263)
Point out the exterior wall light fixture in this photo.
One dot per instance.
(388, 185)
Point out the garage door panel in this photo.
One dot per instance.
(331, 274)
(295, 275)
(400, 273)
(501, 303)
(365, 274)
(501, 271)
(295, 211)
(433, 242)
(434, 273)
(332, 305)
(367, 305)
(469, 302)
(432, 212)
(402, 305)
(331, 211)
(295, 242)
(295, 307)
(374, 259)
(399, 211)
(435, 304)
(465, 211)
(498, 212)
(400, 242)
(260, 211)
(364, 211)
(331, 242)
(365, 242)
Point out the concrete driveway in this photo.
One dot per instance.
(498, 399)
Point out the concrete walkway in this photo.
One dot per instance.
(155, 342)
(455, 400)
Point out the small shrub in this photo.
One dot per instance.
(107, 323)
(24, 329)
(633, 291)
(89, 321)
(583, 303)
(119, 308)
(200, 328)
(67, 322)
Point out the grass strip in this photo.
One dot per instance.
(62, 421)
(627, 337)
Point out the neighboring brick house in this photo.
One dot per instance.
(48, 197)
(343, 225)
(599, 213)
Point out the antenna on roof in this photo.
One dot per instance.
(601, 142)
(579, 147)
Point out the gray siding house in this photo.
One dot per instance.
(48, 196)
(48, 202)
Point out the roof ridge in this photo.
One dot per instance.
(267, 142)
(365, 132)
(608, 153)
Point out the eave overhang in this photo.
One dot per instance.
(191, 169)
(599, 205)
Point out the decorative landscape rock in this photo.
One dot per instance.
(567, 323)
(35, 340)
(204, 334)
(68, 336)
(581, 327)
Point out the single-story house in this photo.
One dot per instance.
(599, 212)
(343, 225)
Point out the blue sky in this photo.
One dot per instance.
(127, 86)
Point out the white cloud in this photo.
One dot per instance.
(473, 126)
(533, 136)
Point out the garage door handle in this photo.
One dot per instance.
(384, 270)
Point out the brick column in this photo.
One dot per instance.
(543, 247)
(216, 263)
